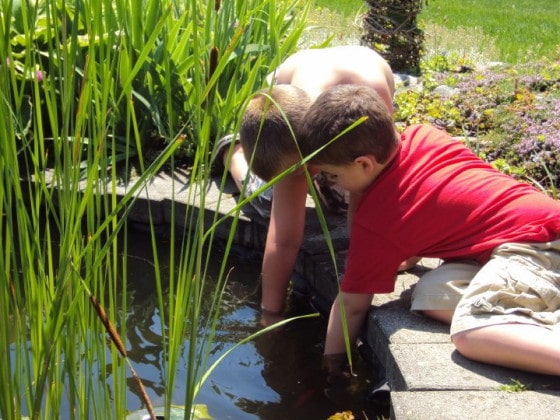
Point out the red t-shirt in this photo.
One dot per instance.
(438, 199)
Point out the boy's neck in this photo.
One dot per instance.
(382, 167)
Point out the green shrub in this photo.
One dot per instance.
(159, 67)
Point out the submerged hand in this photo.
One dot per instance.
(340, 379)
(338, 371)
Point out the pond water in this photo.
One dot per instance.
(278, 375)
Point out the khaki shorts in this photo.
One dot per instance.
(520, 284)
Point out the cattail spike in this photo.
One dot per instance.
(214, 52)
(108, 326)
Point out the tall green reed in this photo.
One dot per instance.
(85, 86)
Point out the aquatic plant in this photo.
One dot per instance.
(86, 88)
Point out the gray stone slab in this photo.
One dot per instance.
(441, 367)
(145, 211)
(468, 405)
(319, 271)
(171, 200)
(315, 241)
(388, 326)
(404, 284)
(400, 326)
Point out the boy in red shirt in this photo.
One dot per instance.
(267, 143)
(424, 194)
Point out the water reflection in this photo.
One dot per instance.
(276, 376)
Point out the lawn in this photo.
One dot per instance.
(344, 7)
(522, 30)
(519, 30)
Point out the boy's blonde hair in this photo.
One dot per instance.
(334, 111)
(269, 129)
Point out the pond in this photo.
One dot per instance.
(278, 375)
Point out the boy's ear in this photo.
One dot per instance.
(367, 162)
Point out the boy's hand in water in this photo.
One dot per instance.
(338, 371)
(341, 382)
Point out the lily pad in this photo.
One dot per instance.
(199, 412)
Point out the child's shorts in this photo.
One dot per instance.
(262, 203)
(333, 198)
(520, 284)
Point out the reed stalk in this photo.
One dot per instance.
(84, 88)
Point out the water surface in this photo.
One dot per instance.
(276, 376)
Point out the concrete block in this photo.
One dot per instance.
(468, 405)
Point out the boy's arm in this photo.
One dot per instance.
(409, 263)
(356, 306)
(283, 241)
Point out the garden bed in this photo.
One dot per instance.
(509, 115)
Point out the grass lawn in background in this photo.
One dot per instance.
(521, 30)
(338, 21)
(343, 7)
(513, 31)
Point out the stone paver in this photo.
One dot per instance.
(468, 405)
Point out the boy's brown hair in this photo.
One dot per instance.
(270, 127)
(334, 111)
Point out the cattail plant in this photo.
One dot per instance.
(86, 88)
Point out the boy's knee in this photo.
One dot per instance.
(463, 343)
(459, 338)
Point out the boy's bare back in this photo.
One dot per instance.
(315, 70)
